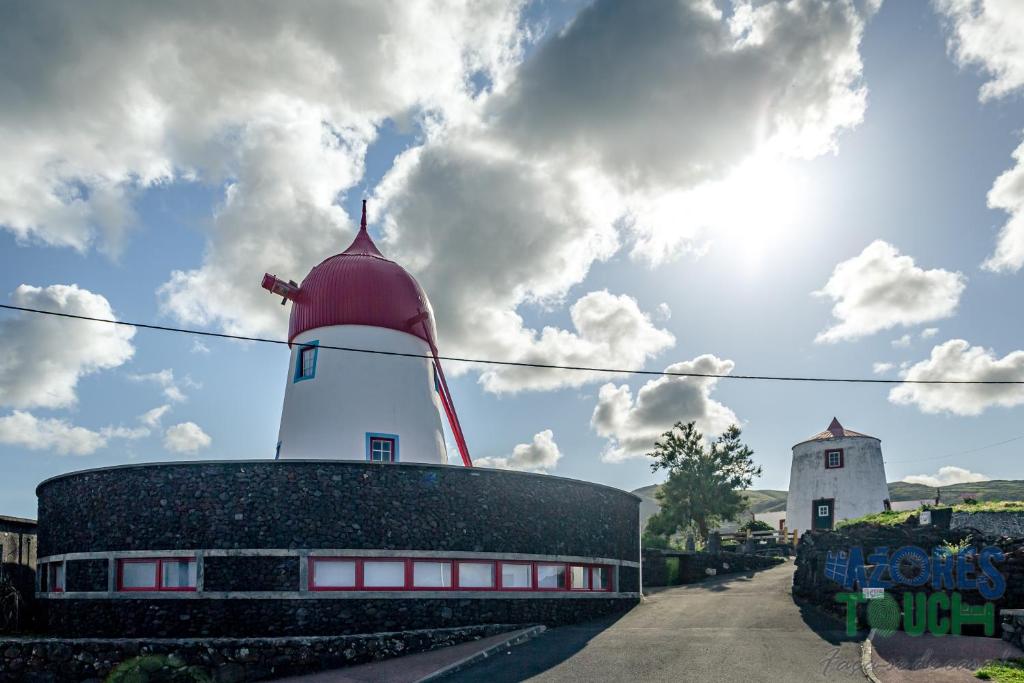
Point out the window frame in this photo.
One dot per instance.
(569, 583)
(501, 583)
(607, 568)
(536, 576)
(456, 583)
(158, 579)
(51, 567)
(452, 564)
(297, 375)
(457, 575)
(355, 584)
(406, 573)
(828, 460)
(380, 436)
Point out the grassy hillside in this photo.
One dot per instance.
(765, 500)
(997, 489)
(768, 500)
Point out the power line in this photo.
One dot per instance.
(518, 364)
(953, 455)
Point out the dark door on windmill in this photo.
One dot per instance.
(823, 511)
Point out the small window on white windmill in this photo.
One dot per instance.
(833, 459)
(305, 363)
(381, 449)
(823, 510)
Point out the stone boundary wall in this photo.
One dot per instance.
(251, 525)
(990, 523)
(811, 585)
(333, 504)
(693, 566)
(54, 660)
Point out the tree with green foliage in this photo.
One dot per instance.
(704, 480)
(754, 525)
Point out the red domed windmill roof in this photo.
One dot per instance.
(361, 287)
(358, 287)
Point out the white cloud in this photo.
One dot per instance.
(632, 426)
(105, 102)
(22, 428)
(879, 289)
(946, 476)
(901, 342)
(929, 332)
(1007, 194)
(713, 89)
(956, 359)
(881, 368)
(42, 358)
(165, 380)
(540, 455)
(574, 152)
(988, 34)
(512, 196)
(186, 437)
(199, 347)
(151, 418)
(609, 330)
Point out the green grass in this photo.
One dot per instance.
(895, 518)
(1002, 671)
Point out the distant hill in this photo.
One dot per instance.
(761, 500)
(996, 489)
(768, 500)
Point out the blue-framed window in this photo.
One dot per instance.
(381, 447)
(305, 360)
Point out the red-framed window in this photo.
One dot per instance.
(550, 576)
(476, 575)
(454, 574)
(54, 577)
(432, 575)
(385, 574)
(600, 578)
(833, 458)
(515, 576)
(157, 574)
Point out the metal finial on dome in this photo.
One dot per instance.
(362, 223)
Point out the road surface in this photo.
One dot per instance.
(734, 628)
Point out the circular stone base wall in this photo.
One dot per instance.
(254, 528)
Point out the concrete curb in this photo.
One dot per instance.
(515, 638)
(865, 659)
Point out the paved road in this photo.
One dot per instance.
(734, 628)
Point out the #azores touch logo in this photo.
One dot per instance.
(937, 605)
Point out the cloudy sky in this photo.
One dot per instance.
(796, 188)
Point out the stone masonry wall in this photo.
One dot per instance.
(296, 505)
(281, 617)
(333, 504)
(251, 573)
(810, 583)
(693, 566)
(86, 575)
(52, 660)
(990, 523)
